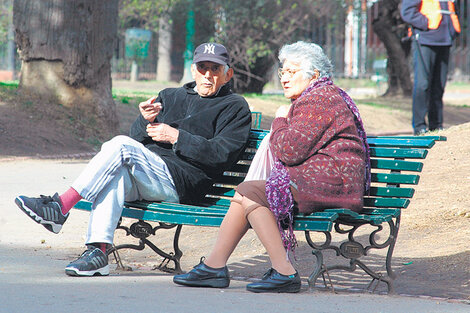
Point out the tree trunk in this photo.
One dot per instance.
(390, 29)
(253, 78)
(66, 48)
(164, 49)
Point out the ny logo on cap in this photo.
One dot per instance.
(209, 48)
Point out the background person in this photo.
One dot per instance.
(182, 139)
(322, 162)
(435, 24)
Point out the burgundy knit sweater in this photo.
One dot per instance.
(323, 153)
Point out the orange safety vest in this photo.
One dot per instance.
(432, 10)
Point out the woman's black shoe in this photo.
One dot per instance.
(204, 276)
(273, 281)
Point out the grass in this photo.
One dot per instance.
(275, 98)
(133, 97)
(10, 84)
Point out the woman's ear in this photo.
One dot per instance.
(316, 74)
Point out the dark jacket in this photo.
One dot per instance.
(442, 36)
(212, 133)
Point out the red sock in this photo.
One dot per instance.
(69, 199)
(100, 245)
(103, 247)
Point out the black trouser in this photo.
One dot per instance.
(430, 75)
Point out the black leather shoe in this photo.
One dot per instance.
(204, 276)
(273, 281)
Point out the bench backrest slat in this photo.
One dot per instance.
(403, 153)
(394, 178)
(386, 202)
(400, 143)
(396, 165)
(392, 192)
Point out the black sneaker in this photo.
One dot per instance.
(420, 132)
(273, 281)
(45, 210)
(92, 262)
(204, 276)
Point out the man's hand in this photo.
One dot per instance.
(150, 109)
(283, 110)
(162, 132)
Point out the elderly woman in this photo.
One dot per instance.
(321, 162)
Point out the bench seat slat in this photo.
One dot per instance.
(167, 206)
(174, 218)
(392, 212)
(317, 225)
(348, 215)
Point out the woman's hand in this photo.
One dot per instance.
(150, 109)
(283, 110)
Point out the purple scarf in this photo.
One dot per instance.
(278, 193)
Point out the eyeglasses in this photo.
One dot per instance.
(290, 73)
(214, 68)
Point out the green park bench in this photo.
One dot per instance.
(395, 162)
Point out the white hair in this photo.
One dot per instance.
(310, 56)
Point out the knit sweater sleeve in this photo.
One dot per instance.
(304, 131)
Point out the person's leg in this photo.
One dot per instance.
(233, 228)
(264, 223)
(68, 199)
(439, 79)
(123, 151)
(135, 173)
(421, 62)
(213, 271)
(282, 277)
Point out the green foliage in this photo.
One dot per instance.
(253, 31)
(142, 13)
(6, 8)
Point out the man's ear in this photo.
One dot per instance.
(229, 75)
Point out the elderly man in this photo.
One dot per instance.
(181, 140)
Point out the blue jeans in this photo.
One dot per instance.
(430, 75)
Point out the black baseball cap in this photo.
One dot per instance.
(213, 52)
